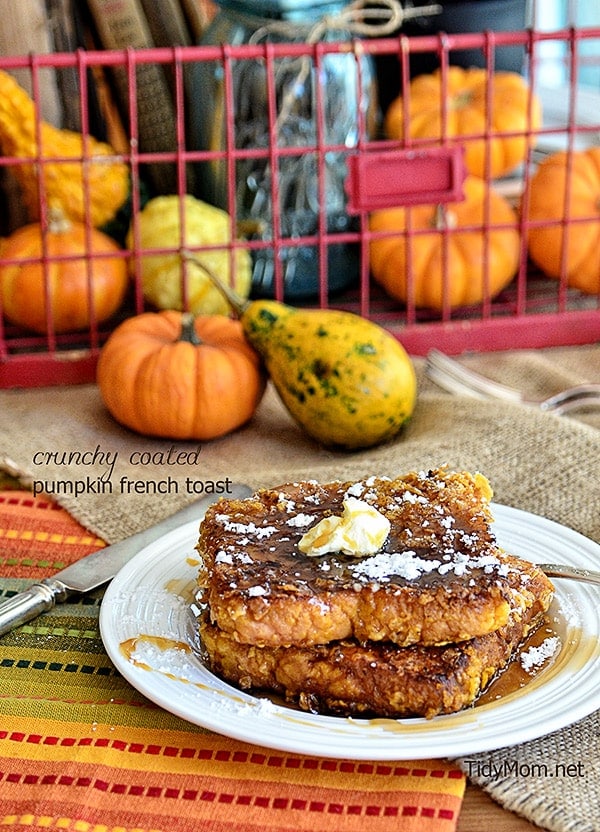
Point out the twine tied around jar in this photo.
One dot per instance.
(361, 18)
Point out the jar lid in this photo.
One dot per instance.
(285, 9)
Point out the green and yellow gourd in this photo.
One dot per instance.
(348, 382)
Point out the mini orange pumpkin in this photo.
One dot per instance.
(172, 375)
(447, 242)
(566, 189)
(23, 283)
(454, 109)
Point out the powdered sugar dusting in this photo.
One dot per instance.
(404, 564)
(250, 529)
(408, 565)
(355, 490)
(534, 657)
(299, 520)
(424, 537)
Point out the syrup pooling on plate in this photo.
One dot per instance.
(179, 662)
(520, 672)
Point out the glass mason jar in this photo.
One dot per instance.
(320, 113)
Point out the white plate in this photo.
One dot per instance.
(150, 598)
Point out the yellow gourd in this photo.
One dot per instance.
(159, 227)
(99, 183)
(348, 382)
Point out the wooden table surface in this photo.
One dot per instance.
(479, 813)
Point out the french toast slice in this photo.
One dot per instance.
(376, 679)
(438, 578)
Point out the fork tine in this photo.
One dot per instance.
(441, 368)
(569, 401)
(454, 377)
(452, 384)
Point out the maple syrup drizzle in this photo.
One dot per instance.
(129, 647)
(513, 677)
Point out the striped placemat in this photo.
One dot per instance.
(80, 749)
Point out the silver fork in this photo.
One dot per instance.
(454, 377)
(576, 573)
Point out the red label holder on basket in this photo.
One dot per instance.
(388, 178)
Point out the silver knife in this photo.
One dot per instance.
(92, 571)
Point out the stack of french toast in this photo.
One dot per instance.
(378, 597)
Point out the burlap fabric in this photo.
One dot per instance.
(538, 462)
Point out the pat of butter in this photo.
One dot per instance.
(360, 530)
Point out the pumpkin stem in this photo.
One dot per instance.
(443, 218)
(58, 223)
(461, 100)
(238, 304)
(188, 333)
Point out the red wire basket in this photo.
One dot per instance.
(533, 310)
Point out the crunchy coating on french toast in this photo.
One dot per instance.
(377, 678)
(438, 578)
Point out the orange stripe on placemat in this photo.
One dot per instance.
(25, 499)
(39, 537)
(184, 752)
(204, 801)
(209, 779)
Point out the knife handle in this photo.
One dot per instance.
(28, 604)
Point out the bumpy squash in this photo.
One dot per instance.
(566, 189)
(447, 240)
(172, 375)
(67, 246)
(463, 103)
(345, 380)
(205, 225)
(100, 183)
